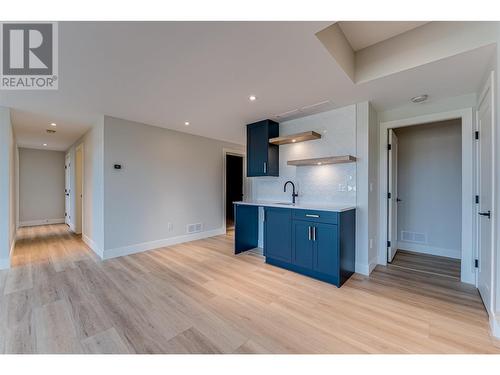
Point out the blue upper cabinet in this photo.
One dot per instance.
(262, 157)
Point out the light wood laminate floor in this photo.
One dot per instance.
(200, 298)
(430, 264)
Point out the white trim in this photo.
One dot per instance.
(82, 187)
(366, 269)
(93, 246)
(32, 223)
(494, 325)
(432, 250)
(468, 273)
(150, 245)
(12, 245)
(246, 189)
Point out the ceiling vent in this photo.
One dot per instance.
(305, 110)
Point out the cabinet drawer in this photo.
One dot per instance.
(327, 217)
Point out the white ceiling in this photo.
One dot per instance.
(362, 34)
(166, 73)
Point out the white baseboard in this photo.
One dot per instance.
(33, 223)
(432, 250)
(145, 246)
(366, 269)
(495, 325)
(90, 243)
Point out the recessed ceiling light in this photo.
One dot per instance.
(53, 124)
(45, 144)
(420, 98)
(252, 98)
(319, 163)
(294, 140)
(186, 123)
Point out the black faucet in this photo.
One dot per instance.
(294, 194)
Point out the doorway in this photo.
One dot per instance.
(463, 200)
(424, 207)
(234, 175)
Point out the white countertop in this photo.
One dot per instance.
(300, 206)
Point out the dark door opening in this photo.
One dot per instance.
(234, 186)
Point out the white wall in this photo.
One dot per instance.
(166, 177)
(93, 192)
(41, 186)
(430, 187)
(7, 188)
(367, 188)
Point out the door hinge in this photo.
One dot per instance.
(476, 263)
(388, 243)
(476, 134)
(65, 214)
(477, 199)
(389, 195)
(389, 147)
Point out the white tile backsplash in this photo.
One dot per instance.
(316, 184)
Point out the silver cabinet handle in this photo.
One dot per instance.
(311, 215)
(309, 232)
(265, 167)
(314, 233)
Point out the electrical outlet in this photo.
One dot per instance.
(371, 243)
(170, 227)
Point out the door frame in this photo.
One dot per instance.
(488, 87)
(80, 147)
(468, 248)
(67, 189)
(246, 185)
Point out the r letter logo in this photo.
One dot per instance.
(28, 56)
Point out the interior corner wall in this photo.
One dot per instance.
(366, 188)
(7, 188)
(93, 190)
(168, 179)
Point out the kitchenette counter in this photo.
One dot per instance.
(298, 206)
(314, 240)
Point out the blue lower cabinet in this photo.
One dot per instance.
(323, 249)
(326, 249)
(277, 234)
(302, 245)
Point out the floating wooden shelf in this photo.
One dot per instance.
(294, 138)
(322, 161)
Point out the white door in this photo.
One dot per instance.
(67, 190)
(485, 175)
(392, 227)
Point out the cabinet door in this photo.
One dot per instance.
(278, 234)
(257, 150)
(326, 248)
(302, 244)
